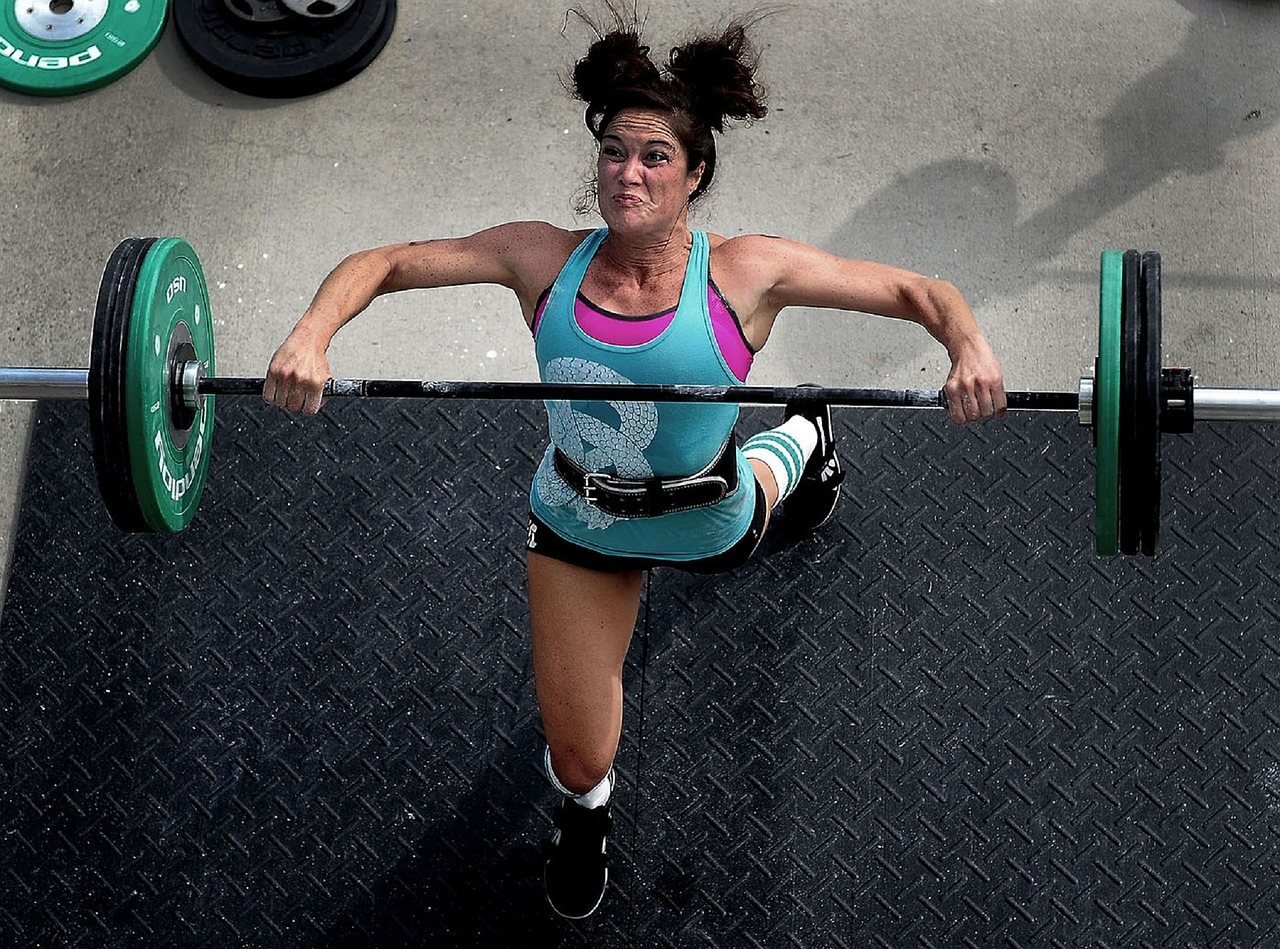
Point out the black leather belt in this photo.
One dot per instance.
(652, 497)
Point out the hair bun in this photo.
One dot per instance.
(618, 59)
(718, 74)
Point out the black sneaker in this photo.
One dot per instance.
(814, 499)
(576, 872)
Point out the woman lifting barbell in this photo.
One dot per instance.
(626, 486)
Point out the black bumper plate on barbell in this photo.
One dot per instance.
(107, 398)
(58, 48)
(1149, 409)
(260, 53)
(1132, 464)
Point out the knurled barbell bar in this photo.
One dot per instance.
(151, 390)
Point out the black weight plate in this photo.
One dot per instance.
(120, 496)
(106, 401)
(1149, 434)
(1131, 501)
(103, 404)
(118, 357)
(107, 380)
(295, 56)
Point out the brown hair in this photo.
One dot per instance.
(704, 83)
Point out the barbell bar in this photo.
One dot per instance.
(73, 384)
(1211, 404)
(151, 387)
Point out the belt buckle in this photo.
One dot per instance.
(592, 481)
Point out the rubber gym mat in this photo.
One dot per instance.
(309, 719)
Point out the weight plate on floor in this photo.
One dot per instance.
(295, 56)
(169, 318)
(1150, 376)
(107, 433)
(1131, 462)
(60, 47)
(1106, 404)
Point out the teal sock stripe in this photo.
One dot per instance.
(782, 447)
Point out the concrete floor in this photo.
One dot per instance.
(1000, 145)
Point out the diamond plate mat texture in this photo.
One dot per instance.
(310, 720)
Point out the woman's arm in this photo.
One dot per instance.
(771, 273)
(515, 256)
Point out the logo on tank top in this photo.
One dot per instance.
(611, 444)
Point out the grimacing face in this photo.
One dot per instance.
(643, 181)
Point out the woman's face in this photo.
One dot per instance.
(643, 178)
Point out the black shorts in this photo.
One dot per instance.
(543, 540)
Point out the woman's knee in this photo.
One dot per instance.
(578, 770)
(767, 481)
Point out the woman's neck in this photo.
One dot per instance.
(644, 259)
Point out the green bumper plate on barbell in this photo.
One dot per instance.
(1106, 405)
(169, 323)
(61, 47)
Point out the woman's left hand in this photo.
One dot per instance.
(974, 390)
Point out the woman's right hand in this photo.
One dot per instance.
(297, 374)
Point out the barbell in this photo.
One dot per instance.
(151, 388)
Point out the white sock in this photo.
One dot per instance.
(784, 450)
(598, 796)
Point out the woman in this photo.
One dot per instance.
(626, 486)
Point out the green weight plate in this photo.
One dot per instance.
(106, 384)
(1149, 434)
(170, 461)
(61, 47)
(1132, 465)
(1106, 405)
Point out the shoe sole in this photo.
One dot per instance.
(563, 915)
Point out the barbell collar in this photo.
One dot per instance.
(187, 378)
(31, 384)
(1086, 401)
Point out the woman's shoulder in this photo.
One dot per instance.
(744, 254)
(542, 235)
(536, 249)
(743, 245)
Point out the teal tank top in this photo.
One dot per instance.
(638, 439)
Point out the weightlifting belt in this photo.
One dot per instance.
(652, 497)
